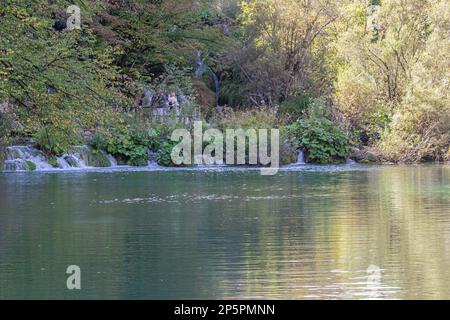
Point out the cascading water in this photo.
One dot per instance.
(300, 157)
(74, 161)
(27, 158)
(112, 160)
(202, 67)
(16, 165)
(61, 163)
(77, 158)
(19, 158)
(152, 158)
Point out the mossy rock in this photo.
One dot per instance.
(98, 159)
(53, 161)
(31, 165)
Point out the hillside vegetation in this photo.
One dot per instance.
(339, 78)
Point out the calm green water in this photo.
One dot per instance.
(227, 234)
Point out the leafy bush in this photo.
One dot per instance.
(295, 107)
(323, 141)
(53, 142)
(98, 141)
(164, 157)
(129, 144)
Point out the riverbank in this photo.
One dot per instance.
(86, 159)
(128, 96)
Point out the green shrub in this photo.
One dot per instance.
(164, 154)
(154, 138)
(295, 107)
(127, 148)
(52, 142)
(323, 141)
(98, 141)
(129, 145)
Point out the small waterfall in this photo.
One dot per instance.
(62, 163)
(19, 158)
(28, 158)
(85, 157)
(152, 158)
(80, 156)
(112, 160)
(74, 161)
(300, 157)
(25, 158)
(217, 87)
(202, 67)
(16, 165)
(350, 161)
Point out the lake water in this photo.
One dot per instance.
(306, 233)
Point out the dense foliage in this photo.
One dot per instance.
(393, 79)
(379, 68)
(322, 140)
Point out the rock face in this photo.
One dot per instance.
(365, 156)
